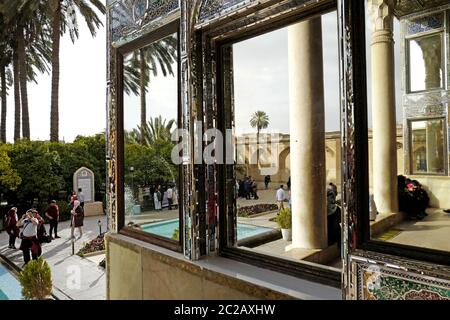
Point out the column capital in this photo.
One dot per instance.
(382, 14)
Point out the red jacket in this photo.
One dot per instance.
(11, 223)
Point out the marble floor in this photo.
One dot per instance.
(432, 232)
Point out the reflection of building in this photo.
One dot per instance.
(275, 160)
(370, 163)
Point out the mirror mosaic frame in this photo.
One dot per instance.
(198, 101)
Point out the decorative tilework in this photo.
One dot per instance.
(211, 8)
(424, 24)
(383, 287)
(129, 16)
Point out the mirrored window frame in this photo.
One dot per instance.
(444, 55)
(360, 241)
(444, 148)
(226, 173)
(121, 52)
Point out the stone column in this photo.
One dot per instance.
(432, 51)
(383, 107)
(307, 135)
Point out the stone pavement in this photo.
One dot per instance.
(73, 277)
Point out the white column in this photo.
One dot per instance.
(383, 107)
(307, 135)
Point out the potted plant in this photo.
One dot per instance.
(284, 221)
(36, 280)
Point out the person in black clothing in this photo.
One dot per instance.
(52, 215)
(267, 181)
(248, 187)
(289, 183)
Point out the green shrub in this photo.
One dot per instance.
(284, 219)
(176, 234)
(36, 280)
(64, 211)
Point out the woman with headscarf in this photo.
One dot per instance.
(77, 218)
(11, 227)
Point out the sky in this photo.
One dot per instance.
(82, 93)
(261, 77)
(261, 83)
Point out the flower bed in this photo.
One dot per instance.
(249, 211)
(95, 245)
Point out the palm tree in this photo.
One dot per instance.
(29, 27)
(259, 120)
(5, 74)
(145, 62)
(64, 17)
(155, 130)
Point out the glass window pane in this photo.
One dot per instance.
(151, 181)
(427, 146)
(409, 200)
(425, 63)
(288, 172)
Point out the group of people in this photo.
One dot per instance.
(333, 210)
(247, 188)
(158, 197)
(31, 230)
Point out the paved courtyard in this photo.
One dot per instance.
(73, 277)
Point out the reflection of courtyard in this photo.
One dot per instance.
(431, 232)
(152, 216)
(395, 228)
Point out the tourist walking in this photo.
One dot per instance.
(281, 197)
(77, 219)
(248, 187)
(80, 197)
(170, 197)
(30, 241)
(267, 181)
(72, 198)
(52, 215)
(157, 198)
(289, 183)
(11, 227)
(255, 190)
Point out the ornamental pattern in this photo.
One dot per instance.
(212, 8)
(425, 24)
(377, 283)
(130, 16)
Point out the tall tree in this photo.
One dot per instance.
(159, 55)
(3, 101)
(5, 74)
(142, 86)
(29, 26)
(16, 97)
(56, 35)
(21, 55)
(64, 18)
(259, 120)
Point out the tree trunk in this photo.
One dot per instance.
(23, 84)
(3, 98)
(54, 107)
(16, 97)
(257, 146)
(142, 92)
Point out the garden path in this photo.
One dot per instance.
(74, 278)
